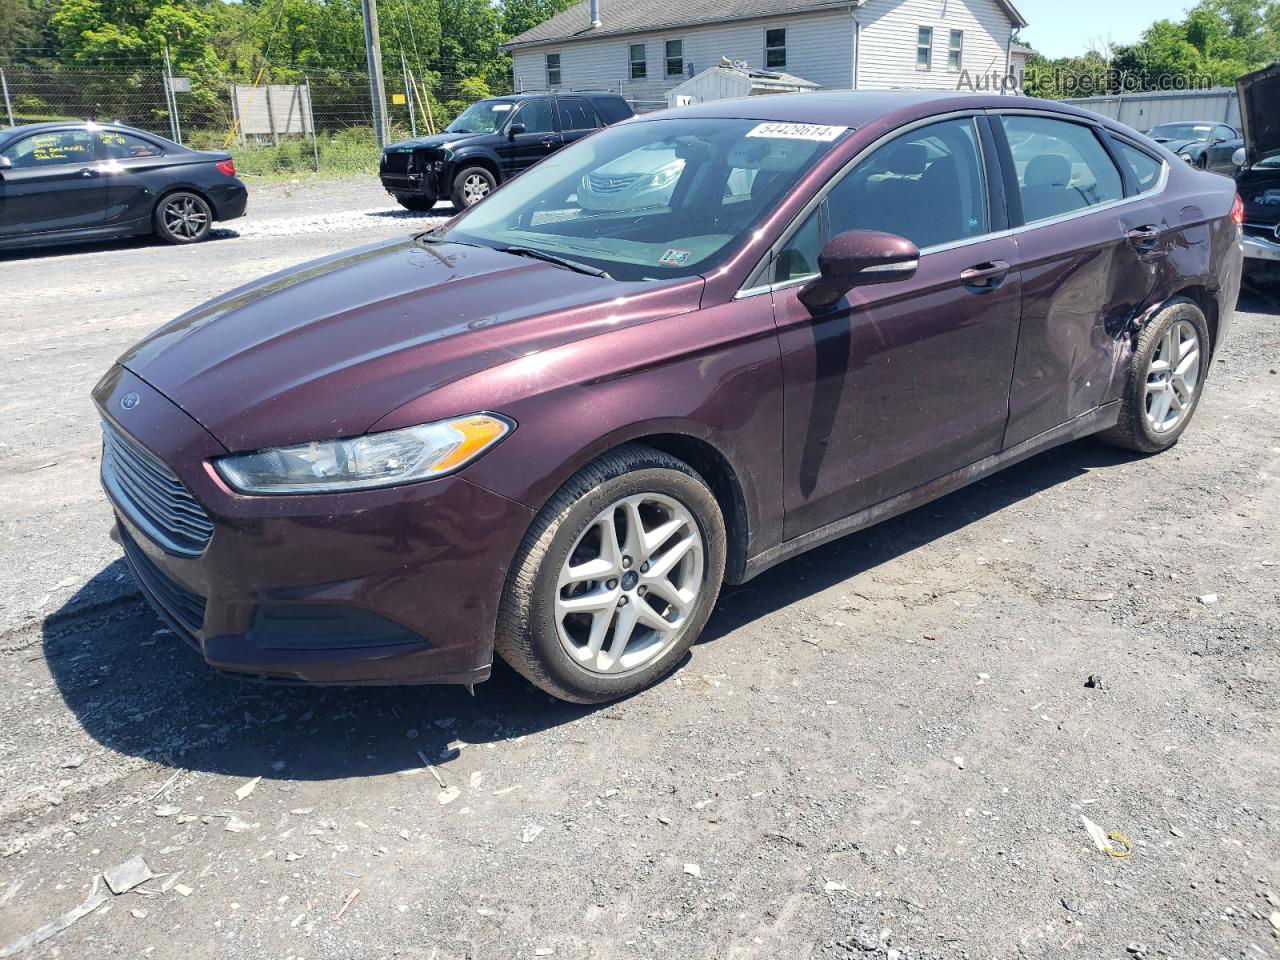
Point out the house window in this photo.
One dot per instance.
(553, 69)
(675, 58)
(955, 52)
(639, 69)
(924, 48)
(775, 48)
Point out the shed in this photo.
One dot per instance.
(729, 80)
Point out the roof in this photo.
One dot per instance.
(759, 79)
(646, 16)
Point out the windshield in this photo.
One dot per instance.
(1181, 131)
(482, 117)
(653, 199)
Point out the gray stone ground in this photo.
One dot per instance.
(794, 791)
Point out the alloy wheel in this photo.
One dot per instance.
(185, 217)
(630, 583)
(1173, 376)
(474, 189)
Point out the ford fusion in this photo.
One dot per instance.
(553, 427)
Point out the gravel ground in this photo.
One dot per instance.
(881, 749)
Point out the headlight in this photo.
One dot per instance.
(360, 463)
(667, 175)
(1187, 157)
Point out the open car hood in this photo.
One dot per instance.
(1260, 112)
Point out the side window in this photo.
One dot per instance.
(927, 185)
(1223, 132)
(1146, 169)
(536, 117)
(611, 109)
(553, 69)
(51, 149)
(799, 258)
(639, 66)
(124, 146)
(924, 48)
(675, 58)
(1061, 166)
(775, 48)
(576, 114)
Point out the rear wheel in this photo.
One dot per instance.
(471, 185)
(415, 203)
(616, 578)
(1166, 375)
(183, 217)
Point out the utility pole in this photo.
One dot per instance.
(8, 104)
(408, 93)
(373, 54)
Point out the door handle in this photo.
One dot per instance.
(985, 276)
(1144, 237)
(548, 142)
(88, 172)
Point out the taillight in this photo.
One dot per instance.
(228, 167)
(1237, 212)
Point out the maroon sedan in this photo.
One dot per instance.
(552, 429)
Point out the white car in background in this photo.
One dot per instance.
(644, 179)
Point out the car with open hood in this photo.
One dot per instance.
(1258, 179)
(549, 433)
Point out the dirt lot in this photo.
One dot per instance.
(881, 749)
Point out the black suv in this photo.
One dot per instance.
(490, 142)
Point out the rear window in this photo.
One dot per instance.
(1145, 168)
(612, 109)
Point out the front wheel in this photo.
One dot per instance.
(471, 185)
(1166, 375)
(183, 218)
(615, 579)
(415, 203)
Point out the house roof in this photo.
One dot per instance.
(621, 17)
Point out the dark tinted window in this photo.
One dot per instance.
(576, 114)
(675, 58)
(1062, 167)
(1145, 168)
(775, 48)
(553, 69)
(926, 185)
(611, 109)
(50, 149)
(1223, 132)
(799, 258)
(536, 117)
(639, 65)
(124, 146)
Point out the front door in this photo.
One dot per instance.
(125, 160)
(1089, 262)
(905, 381)
(54, 184)
(540, 137)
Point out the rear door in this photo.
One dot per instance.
(54, 184)
(902, 382)
(540, 137)
(1089, 250)
(577, 118)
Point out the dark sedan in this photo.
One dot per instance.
(552, 433)
(1202, 143)
(61, 182)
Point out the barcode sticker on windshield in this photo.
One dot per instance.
(797, 131)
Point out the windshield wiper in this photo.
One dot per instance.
(558, 261)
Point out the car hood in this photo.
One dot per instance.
(326, 349)
(1259, 94)
(435, 140)
(1177, 146)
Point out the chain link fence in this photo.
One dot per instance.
(279, 122)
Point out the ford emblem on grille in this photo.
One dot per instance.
(129, 400)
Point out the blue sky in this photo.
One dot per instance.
(1063, 28)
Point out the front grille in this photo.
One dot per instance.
(601, 184)
(146, 490)
(1265, 231)
(177, 605)
(396, 162)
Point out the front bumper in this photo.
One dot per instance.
(412, 184)
(422, 566)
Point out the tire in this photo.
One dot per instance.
(552, 646)
(1146, 421)
(1202, 161)
(471, 185)
(415, 203)
(182, 218)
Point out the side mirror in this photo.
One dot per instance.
(5, 163)
(856, 258)
(1239, 158)
(514, 129)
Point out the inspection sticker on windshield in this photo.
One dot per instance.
(675, 258)
(796, 131)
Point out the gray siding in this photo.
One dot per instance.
(819, 48)
(889, 30)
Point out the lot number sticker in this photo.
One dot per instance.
(797, 131)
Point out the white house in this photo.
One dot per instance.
(643, 48)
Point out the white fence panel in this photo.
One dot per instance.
(1142, 111)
